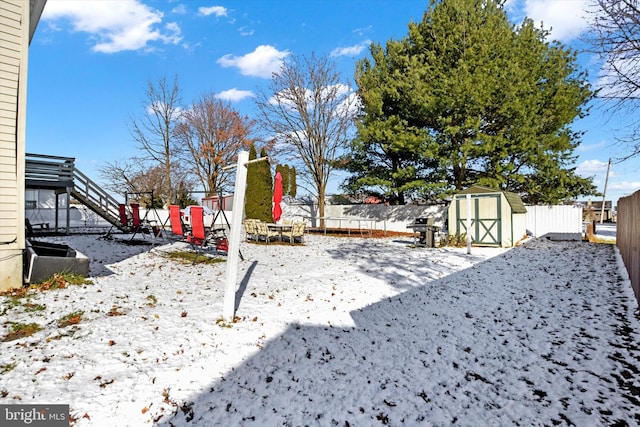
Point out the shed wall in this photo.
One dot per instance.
(506, 223)
(519, 227)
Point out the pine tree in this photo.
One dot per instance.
(251, 206)
(293, 185)
(467, 98)
(265, 184)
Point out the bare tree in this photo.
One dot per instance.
(309, 112)
(122, 176)
(154, 131)
(138, 179)
(213, 133)
(616, 38)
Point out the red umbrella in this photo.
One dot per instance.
(277, 198)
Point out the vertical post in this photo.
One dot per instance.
(56, 213)
(468, 223)
(68, 210)
(604, 193)
(233, 255)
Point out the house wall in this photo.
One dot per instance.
(14, 43)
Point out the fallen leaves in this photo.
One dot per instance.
(115, 311)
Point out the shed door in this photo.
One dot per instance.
(486, 223)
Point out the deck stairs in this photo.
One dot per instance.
(61, 175)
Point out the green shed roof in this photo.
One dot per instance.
(513, 199)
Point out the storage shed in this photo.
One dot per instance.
(498, 218)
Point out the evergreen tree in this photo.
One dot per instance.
(265, 197)
(293, 185)
(466, 98)
(259, 194)
(289, 186)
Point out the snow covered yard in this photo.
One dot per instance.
(347, 332)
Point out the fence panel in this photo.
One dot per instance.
(628, 237)
(555, 222)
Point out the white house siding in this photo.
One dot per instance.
(14, 43)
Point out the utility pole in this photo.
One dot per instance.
(604, 193)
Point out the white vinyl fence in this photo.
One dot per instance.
(370, 217)
(555, 222)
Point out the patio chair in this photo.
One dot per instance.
(124, 218)
(135, 217)
(297, 232)
(265, 233)
(197, 237)
(251, 229)
(177, 227)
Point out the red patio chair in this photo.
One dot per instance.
(198, 235)
(135, 216)
(177, 227)
(124, 218)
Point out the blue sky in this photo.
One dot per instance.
(90, 63)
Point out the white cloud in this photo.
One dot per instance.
(245, 31)
(566, 19)
(362, 31)
(213, 10)
(181, 9)
(625, 186)
(234, 95)
(347, 102)
(161, 109)
(589, 147)
(116, 26)
(591, 167)
(350, 50)
(262, 62)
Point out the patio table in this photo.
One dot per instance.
(280, 228)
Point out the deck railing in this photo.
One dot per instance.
(41, 168)
(55, 171)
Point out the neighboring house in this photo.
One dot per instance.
(592, 210)
(19, 21)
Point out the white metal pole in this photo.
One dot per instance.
(233, 256)
(468, 223)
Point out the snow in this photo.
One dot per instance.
(339, 331)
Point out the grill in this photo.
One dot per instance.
(425, 229)
(421, 224)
